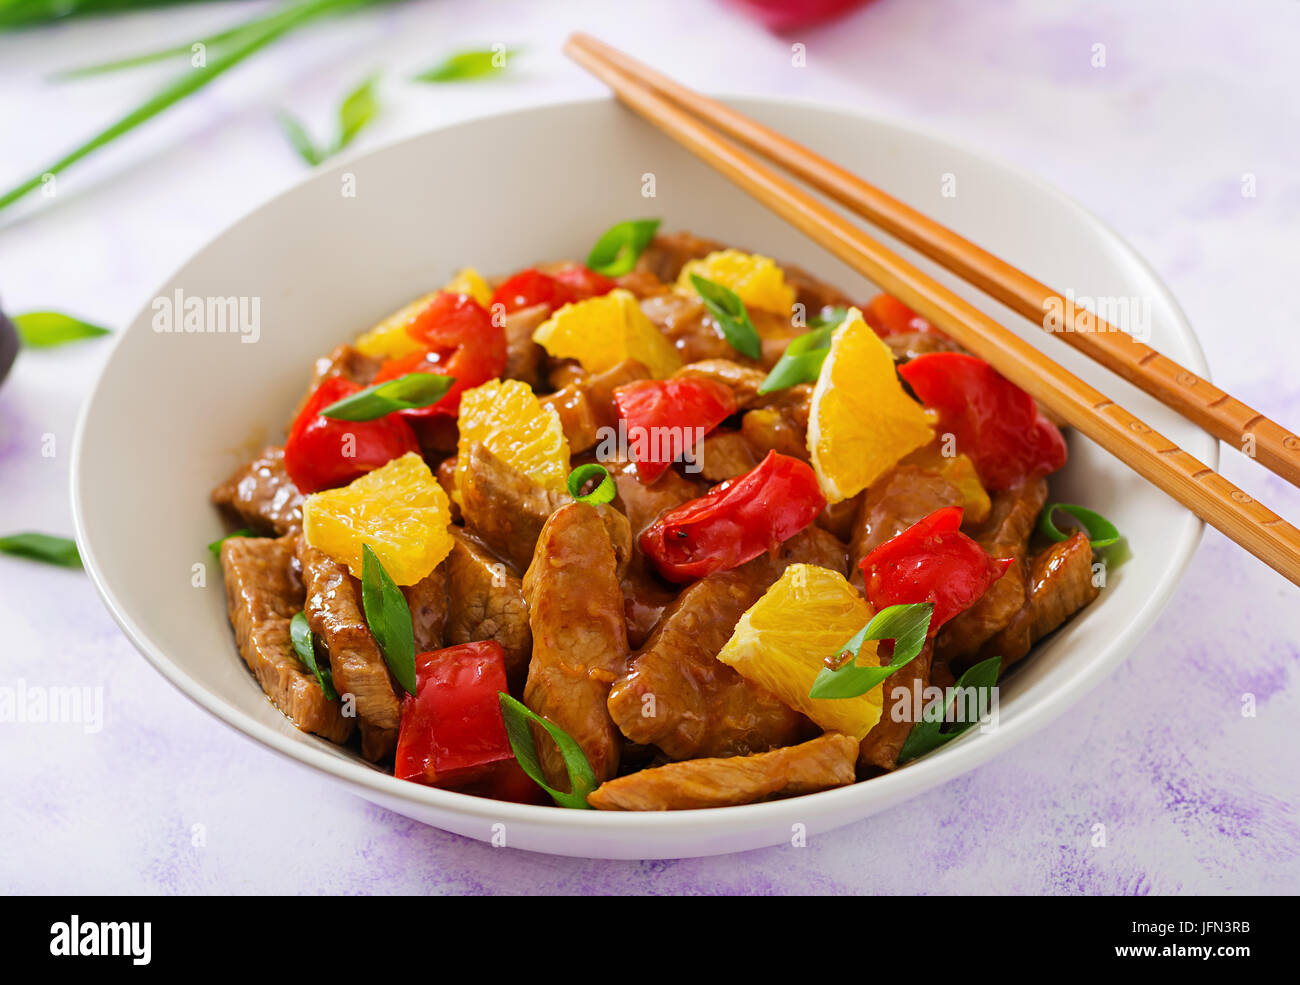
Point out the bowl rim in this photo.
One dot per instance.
(929, 771)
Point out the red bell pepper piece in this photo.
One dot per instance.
(322, 453)
(452, 726)
(994, 421)
(584, 283)
(736, 521)
(889, 316)
(530, 287)
(461, 340)
(931, 561)
(665, 418)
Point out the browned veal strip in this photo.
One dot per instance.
(486, 602)
(334, 610)
(262, 596)
(818, 764)
(575, 610)
(262, 495)
(678, 696)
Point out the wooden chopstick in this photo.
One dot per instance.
(1174, 385)
(1150, 454)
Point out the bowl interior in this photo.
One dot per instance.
(175, 411)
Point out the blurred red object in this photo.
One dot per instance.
(789, 15)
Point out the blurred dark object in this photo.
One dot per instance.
(8, 345)
(790, 15)
(29, 13)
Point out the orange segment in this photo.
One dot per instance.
(782, 641)
(508, 419)
(604, 331)
(860, 419)
(398, 509)
(757, 280)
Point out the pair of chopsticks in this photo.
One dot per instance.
(687, 117)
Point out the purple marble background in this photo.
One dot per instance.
(1194, 796)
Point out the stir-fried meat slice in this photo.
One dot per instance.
(815, 294)
(335, 613)
(427, 600)
(1060, 584)
(262, 596)
(777, 429)
(587, 405)
(645, 597)
(642, 283)
(840, 518)
(880, 746)
(744, 381)
(643, 503)
(680, 697)
(503, 508)
(724, 455)
(895, 501)
(445, 473)
(688, 326)
(343, 361)
(262, 495)
(575, 611)
(818, 764)
(524, 357)
(906, 346)
(485, 601)
(668, 253)
(1004, 534)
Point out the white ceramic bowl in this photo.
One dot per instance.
(174, 413)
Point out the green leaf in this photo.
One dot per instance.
(304, 645)
(1101, 532)
(299, 138)
(389, 619)
(605, 489)
(466, 65)
(731, 315)
(802, 360)
(404, 393)
(906, 625)
(243, 45)
(360, 106)
(215, 546)
(621, 245)
(42, 547)
(828, 318)
(582, 778)
(928, 734)
(46, 329)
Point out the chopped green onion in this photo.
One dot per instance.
(802, 360)
(906, 625)
(621, 245)
(1101, 532)
(46, 329)
(582, 778)
(466, 65)
(731, 315)
(928, 734)
(404, 393)
(304, 645)
(215, 546)
(605, 489)
(42, 547)
(389, 618)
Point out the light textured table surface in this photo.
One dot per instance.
(1194, 796)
